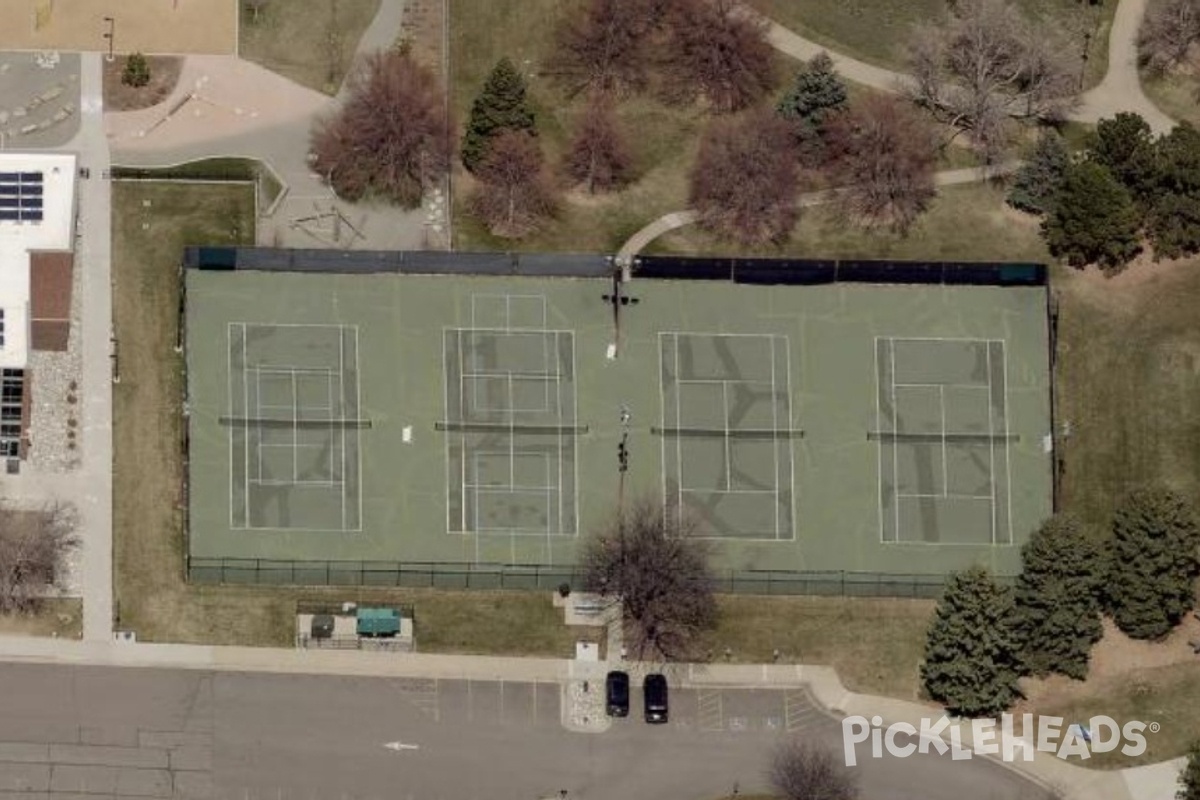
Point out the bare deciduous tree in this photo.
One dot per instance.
(1167, 34)
(986, 64)
(514, 194)
(599, 155)
(390, 138)
(803, 771)
(649, 560)
(884, 154)
(605, 47)
(32, 547)
(717, 50)
(745, 180)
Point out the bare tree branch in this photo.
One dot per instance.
(803, 771)
(649, 559)
(390, 138)
(514, 194)
(33, 545)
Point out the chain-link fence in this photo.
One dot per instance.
(447, 575)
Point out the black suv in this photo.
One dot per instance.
(654, 695)
(616, 694)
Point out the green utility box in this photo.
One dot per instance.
(378, 622)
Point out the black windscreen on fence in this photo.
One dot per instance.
(752, 271)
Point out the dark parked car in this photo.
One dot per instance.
(654, 694)
(616, 694)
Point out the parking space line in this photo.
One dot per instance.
(710, 715)
(797, 709)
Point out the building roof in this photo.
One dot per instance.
(37, 213)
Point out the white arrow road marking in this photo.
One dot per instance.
(398, 746)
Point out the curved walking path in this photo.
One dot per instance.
(681, 219)
(229, 107)
(1121, 89)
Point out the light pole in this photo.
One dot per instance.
(110, 34)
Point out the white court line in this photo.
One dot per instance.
(775, 426)
(342, 412)
(447, 439)
(791, 446)
(678, 419)
(979, 386)
(273, 482)
(357, 437)
(971, 339)
(229, 397)
(728, 445)
(462, 436)
(742, 381)
(896, 429)
(516, 488)
(269, 325)
(945, 470)
(246, 405)
(561, 448)
(879, 450)
(295, 425)
(1007, 458)
(991, 446)
(701, 490)
(940, 496)
(662, 417)
(722, 334)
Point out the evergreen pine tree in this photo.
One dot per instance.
(501, 105)
(136, 72)
(1092, 218)
(1038, 178)
(1056, 615)
(1189, 778)
(1155, 562)
(817, 92)
(970, 653)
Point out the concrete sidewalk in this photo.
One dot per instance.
(1152, 782)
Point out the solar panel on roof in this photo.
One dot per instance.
(9, 202)
(9, 189)
(7, 214)
(33, 177)
(33, 189)
(33, 216)
(10, 176)
(31, 202)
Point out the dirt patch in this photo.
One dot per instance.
(164, 75)
(1116, 660)
(424, 32)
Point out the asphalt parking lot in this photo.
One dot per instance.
(147, 733)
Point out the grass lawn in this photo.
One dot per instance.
(1129, 383)
(968, 222)
(877, 30)
(875, 644)
(58, 616)
(219, 169)
(312, 42)
(1175, 95)
(153, 598)
(1169, 696)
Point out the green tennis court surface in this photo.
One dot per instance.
(478, 420)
